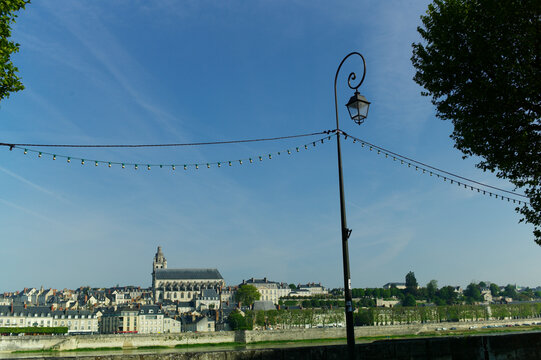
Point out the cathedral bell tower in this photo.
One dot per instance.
(159, 260)
(159, 263)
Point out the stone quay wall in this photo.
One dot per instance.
(61, 342)
(523, 346)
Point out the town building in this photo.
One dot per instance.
(182, 284)
(398, 285)
(269, 290)
(147, 319)
(77, 321)
(198, 324)
(309, 290)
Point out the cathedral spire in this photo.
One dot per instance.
(159, 260)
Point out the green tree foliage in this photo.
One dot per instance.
(473, 293)
(247, 294)
(480, 64)
(260, 318)
(510, 291)
(357, 293)
(431, 289)
(236, 320)
(447, 295)
(409, 300)
(411, 283)
(9, 81)
(34, 330)
(293, 286)
(366, 302)
(494, 290)
(363, 318)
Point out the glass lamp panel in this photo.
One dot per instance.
(363, 108)
(358, 107)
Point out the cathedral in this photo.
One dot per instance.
(182, 285)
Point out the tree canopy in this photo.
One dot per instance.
(247, 294)
(480, 64)
(473, 293)
(409, 300)
(9, 81)
(411, 281)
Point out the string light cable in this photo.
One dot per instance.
(461, 181)
(14, 145)
(196, 165)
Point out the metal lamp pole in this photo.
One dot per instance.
(359, 106)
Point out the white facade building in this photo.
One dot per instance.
(77, 321)
(269, 290)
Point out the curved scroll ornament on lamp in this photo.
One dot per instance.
(357, 104)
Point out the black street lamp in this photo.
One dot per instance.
(358, 110)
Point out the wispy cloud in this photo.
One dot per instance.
(31, 212)
(34, 185)
(110, 53)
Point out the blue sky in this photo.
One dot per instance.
(102, 72)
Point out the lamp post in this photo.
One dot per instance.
(358, 110)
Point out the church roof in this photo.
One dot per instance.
(188, 274)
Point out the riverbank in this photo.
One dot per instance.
(518, 346)
(10, 344)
